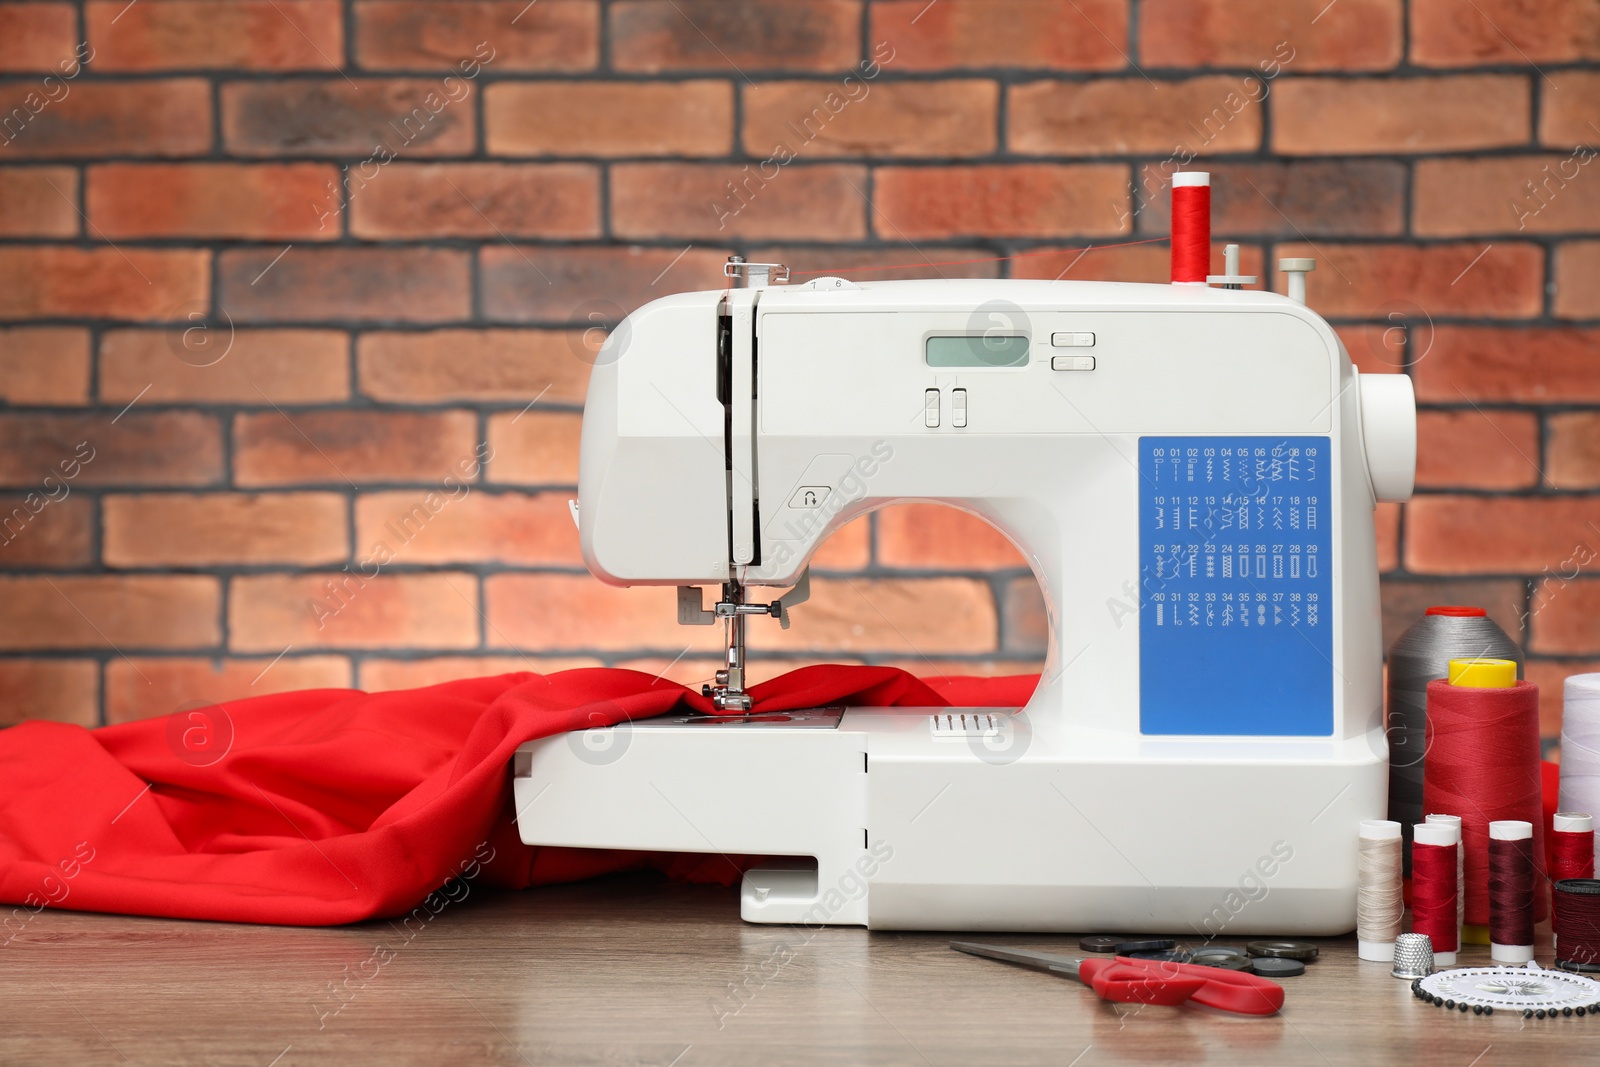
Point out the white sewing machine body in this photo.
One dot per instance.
(1191, 474)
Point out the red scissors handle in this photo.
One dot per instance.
(1134, 981)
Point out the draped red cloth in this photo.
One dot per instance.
(331, 806)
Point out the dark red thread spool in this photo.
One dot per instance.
(1483, 765)
(1191, 226)
(1511, 891)
(1577, 924)
(1434, 888)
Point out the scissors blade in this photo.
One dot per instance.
(1039, 961)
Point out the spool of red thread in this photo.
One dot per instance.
(1483, 765)
(1571, 850)
(1191, 226)
(1434, 886)
(1511, 891)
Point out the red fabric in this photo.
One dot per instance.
(332, 806)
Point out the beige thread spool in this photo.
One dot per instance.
(1379, 903)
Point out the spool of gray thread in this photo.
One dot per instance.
(1416, 658)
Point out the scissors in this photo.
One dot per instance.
(1132, 981)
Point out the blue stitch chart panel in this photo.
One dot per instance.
(1235, 616)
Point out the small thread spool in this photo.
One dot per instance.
(1511, 895)
(1418, 656)
(1379, 904)
(1461, 871)
(1191, 226)
(1483, 765)
(1571, 850)
(1436, 887)
(1580, 743)
(1577, 924)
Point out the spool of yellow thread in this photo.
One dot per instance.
(1481, 674)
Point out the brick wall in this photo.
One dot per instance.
(291, 289)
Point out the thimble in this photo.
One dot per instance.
(1413, 956)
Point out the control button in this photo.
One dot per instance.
(930, 407)
(1072, 363)
(958, 407)
(809, 496)
(1072, 340)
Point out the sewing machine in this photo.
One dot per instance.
(1191, 472)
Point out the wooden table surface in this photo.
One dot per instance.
(641, 971)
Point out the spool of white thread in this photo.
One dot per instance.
(1461, 869)
(1379, 904)
(1445, 834)
(1580, 743)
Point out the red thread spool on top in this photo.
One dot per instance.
(1191, 226)
(1456, 611)
(1483, 765)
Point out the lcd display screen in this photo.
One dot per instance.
(978, 350)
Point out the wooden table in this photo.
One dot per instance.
(641, 971)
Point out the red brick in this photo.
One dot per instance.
(1445, 33)
(1086, 35)
(60, 690)
(1477, 450)
(125, 612)
(1405, 600)
(1386, 518)
(489, 200)
(1365, 116)
(1568, 103)
(36, 36)
(1118, 116)
(561, 612)
(215, 34)
(346, 609)
(459, 525)
(383, 675)
(991, 200)
(46, 365)
(370, 120)
(1295, 200)
(1026, 626)
(1378, 349)
(346, 284)
(1573, 460)
(1565, 614)
(1497, 535)
(647, 35)
(532, 283)
(145, 686)
(1527, 194)
(522, 365)
(1299, 35)
(1577, 280)
(503, 35)
(847, 549)
(38, 201)
(165, 448)
(1549, 676)
(47, 527)
(536, 448)
(101, 118)
(351, 448)
(1136, 263)
(238, 200)
(881, 262)
(722, 201)
(1499, 365)
(142, 284)
(1474, 279)
(545, 118)
(211, 363)
(223, 529)
(935, 537)
(883, 120)
(893, 616)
